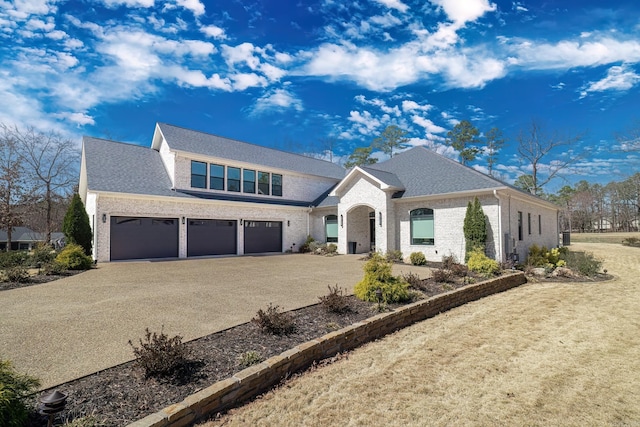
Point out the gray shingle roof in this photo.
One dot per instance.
(424, 173)
(212, 145)
(387, 177)
(24, 234)
(125, 168)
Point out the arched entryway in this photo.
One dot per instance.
(361, 230)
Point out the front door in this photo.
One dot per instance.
(372, 233)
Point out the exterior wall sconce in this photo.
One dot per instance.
(240, 221)
(104, 217)
(183, 220)
(341, 221)
(288, 223)
(380, 218)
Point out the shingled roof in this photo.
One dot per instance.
(216, 146)
(125, 168)
(425, 173)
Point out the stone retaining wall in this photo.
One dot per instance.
(258, 378)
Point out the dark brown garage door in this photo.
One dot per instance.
(211, 237)
(262, 236)
(142, 238)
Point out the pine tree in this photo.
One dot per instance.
(76, 225)
(475, 227)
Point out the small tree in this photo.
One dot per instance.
(494, 141)
(392, 137)
(475, 228)
(76, 226)
(361, 156)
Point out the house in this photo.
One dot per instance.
(194, 194)
(25, 239)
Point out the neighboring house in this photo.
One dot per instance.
(195, 194)
(23, 238)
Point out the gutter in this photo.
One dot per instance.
(500, 233)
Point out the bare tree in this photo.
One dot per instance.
(534, 146)
(14, 192)
(630, 141)
(51, 163)
(494, 141)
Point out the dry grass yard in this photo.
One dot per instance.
(543, 354)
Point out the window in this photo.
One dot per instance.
(276, 184)
(233, 179)
(539, 224)
(248, 181)
(422, 227)
(198, 174)
(331, 228)
(519, 225)
(263, 183)
(216, 177)
(529, 222)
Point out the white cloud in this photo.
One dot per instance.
(38, 24)
(194, 6)
(382, 105)
(214, 32)
(129, 3)
(409, 105)
(462, 12)
(278, 100)
(242, 53)
(365, 123)
(394, 4)
(385, 21)
(79, 119)
(242, 81)
(620, 78)
(22, 9)
(427, 124)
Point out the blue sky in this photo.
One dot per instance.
(288, 74)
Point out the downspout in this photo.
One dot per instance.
(500, 234)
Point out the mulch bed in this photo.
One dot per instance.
(120, 395)
(36, 280)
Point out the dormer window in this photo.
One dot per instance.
(216, 177)
(276, 184)
(198, 174)
(233, 179)
(248, 181)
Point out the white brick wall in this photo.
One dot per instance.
(295, 220)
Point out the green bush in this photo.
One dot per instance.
(72, 257)
(482, 264)
(543, 257)
(14, 387)
(305, 247)
(13, 259)
(336, 301)
(584, 262)
(474, 227)
(377, 275)
(42, 254)
(274, 321)
(417, 258)
(76, 225)
(394, 256)
(160, 355)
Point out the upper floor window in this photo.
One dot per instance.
(529, 222)
(331, 228)
(216, 177)
(276, 184)
(248, 181)
(539, 224)
(233, 179)
(263, 183)
(198, 174)
(422, 230)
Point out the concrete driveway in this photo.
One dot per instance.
(72, 327)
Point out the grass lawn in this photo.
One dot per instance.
(601, 237)
(542, 354)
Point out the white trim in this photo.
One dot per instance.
(381, 184)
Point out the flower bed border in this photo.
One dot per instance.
(256, 379)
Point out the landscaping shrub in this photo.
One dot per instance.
(413, 280)
(42, 254)
(250, 358)
(17, 274)
(474, 228)
(459, 270)
(417, 258)
(13, 259)
(76, 225)
(274, 321)
(449, 261)
(335, 301)
(332, 249)
(394, 256)
(482, 264)
(159, 355)
(14, 387)
(73, 257)
(631, 241)
(584, 262)
(305, 247)
(52, 269)
(377, 275)
(443, 276)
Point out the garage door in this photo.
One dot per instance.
(142, 238)
(211, 237)
(262, 236)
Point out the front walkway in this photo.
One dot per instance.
(81, 324)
